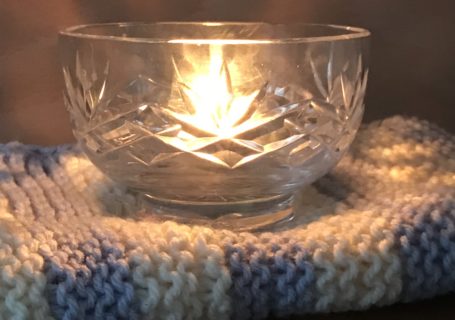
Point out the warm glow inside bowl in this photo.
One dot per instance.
(224, 121)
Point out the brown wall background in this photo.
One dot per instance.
(412, 65)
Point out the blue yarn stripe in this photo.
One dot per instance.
(92, 283)
(426, 238)
(265, 282)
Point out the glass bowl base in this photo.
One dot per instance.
(254, 215)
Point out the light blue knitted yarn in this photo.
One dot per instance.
(380, 228)
(401, 170)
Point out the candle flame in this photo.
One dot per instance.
(216, 108)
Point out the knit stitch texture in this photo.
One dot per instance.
(380, 228)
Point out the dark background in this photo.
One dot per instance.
(412, 65)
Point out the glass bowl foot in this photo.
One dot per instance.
(254, 215)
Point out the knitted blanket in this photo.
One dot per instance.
(380, 228)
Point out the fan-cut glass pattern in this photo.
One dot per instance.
(226, 115)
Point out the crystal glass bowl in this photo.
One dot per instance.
(216, 121)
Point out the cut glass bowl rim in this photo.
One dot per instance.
(348, 33)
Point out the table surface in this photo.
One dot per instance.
(442, 307)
